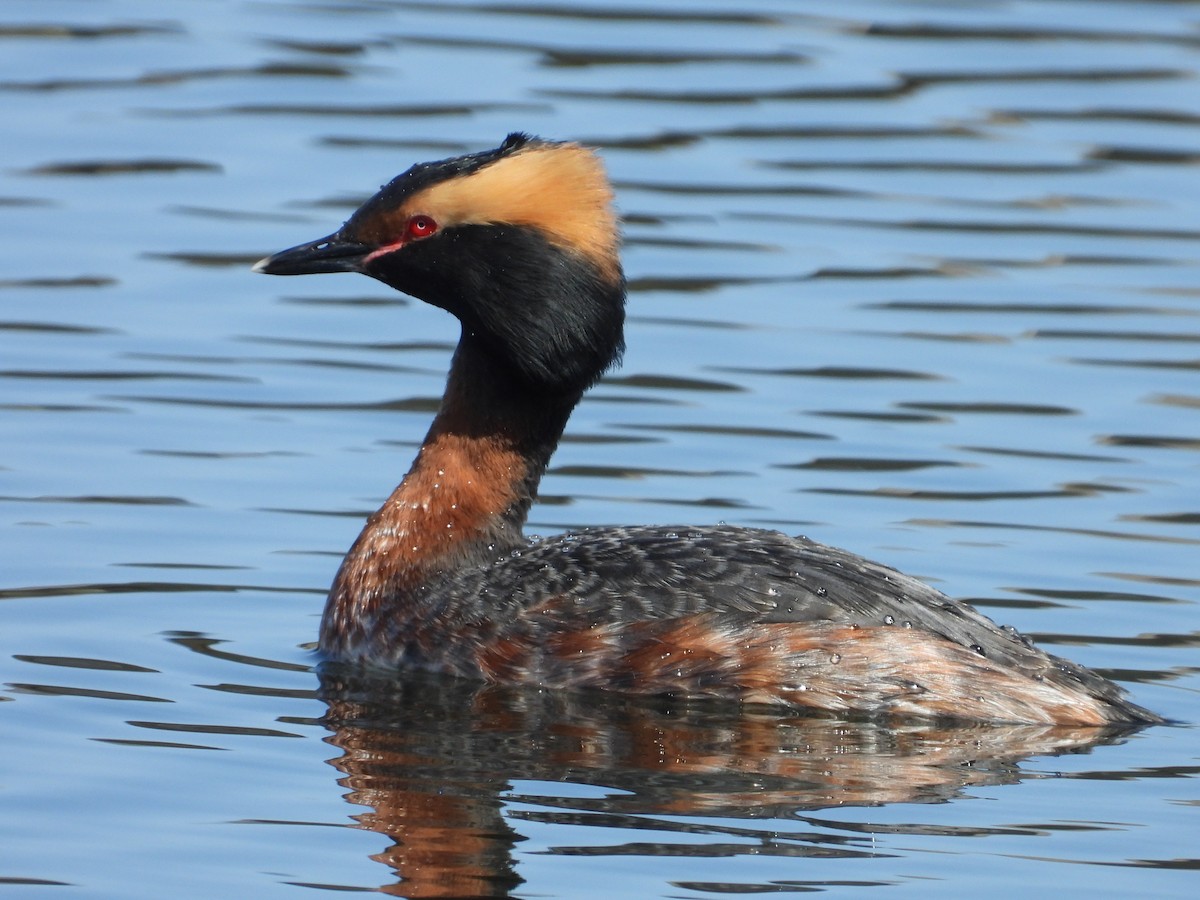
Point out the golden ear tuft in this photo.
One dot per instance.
(559, 189)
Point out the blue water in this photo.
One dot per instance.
(917, 280)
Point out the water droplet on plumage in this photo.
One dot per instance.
(889, 620)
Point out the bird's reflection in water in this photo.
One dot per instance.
(434, 761)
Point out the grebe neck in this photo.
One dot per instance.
(463, 502)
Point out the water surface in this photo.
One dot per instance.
(917, 280)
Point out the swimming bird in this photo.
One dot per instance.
(521, 244)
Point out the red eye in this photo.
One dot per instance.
(420, 227)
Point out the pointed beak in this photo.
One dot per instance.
(328, 254)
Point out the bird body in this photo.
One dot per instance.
(520, 243)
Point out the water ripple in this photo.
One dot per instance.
(895, 264)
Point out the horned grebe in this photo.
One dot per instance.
(520, 243)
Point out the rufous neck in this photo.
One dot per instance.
(464, 500)
(490, 442)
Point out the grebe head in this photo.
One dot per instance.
(520, 243)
